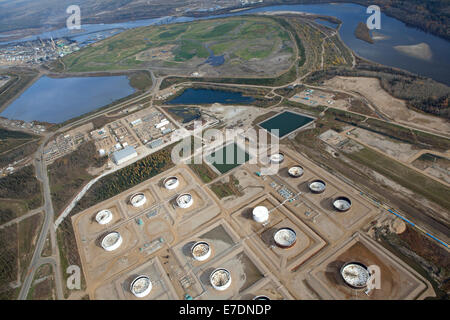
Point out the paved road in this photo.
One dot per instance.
(21, 218)
(37, 260)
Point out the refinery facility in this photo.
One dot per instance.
(173, 237)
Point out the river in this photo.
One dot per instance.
(434, 63)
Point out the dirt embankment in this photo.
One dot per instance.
(393, 108)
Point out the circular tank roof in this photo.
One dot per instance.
(285, 237)
(112, 241)
(296, 171)
(261, 298)
(317, 186)
(355, 274)
(171, 183)
(260, 214)
(141, 286)
(277, 158)
(138, 200)
(185, 200)
(342, 204)
(220, 279)
(201, 251)
(104, 217)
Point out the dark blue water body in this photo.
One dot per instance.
(213, 60)
(209, 96)
(327, 23)
(58, 100)
(383, 51)
(286, 122)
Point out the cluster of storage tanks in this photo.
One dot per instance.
(141, 286)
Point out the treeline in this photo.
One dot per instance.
(69, 173)
(10, 134)
(429, 15)
(420, 93)
(22, 185)
(128, 177)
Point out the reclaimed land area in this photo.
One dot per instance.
(250, 46)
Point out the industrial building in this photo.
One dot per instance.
(122, 156)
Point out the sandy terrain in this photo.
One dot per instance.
(419, 51)
(400, 151)
(392, 107)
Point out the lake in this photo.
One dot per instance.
(286, 122)
(57, 100)
(210, 96)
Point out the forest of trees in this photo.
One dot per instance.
(420, 93)
(22, 185)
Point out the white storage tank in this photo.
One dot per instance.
(112, 241)
(185, 200)
(201, 251)
(260, 214)
(171, 183)
(285, 238)
(342, 204)
(141, 286)
(355, 274)
(277, 158)
(138, 200)
(104, 217)
(296, 171)
(220, 279)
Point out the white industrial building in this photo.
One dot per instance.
(124, 155)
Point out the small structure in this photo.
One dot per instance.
(220, 279)
(141, 286)
(355, 274)
(112, 241)
(317, 186)
(124, 155)
(104, 217)
(277, 158)
(171, 183)
(138, 200)
(285, 238)
(260, 214)
(201, 251)
(342, 204)
(296, 171)
(185, 200)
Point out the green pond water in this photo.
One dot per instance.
(286, 122)
(228, 157)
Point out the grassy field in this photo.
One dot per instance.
(17, 243)
(241, 39)
(404, 176)
(226, 189)
(204, 172)
(19, 192)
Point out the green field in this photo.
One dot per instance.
(240, 39)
